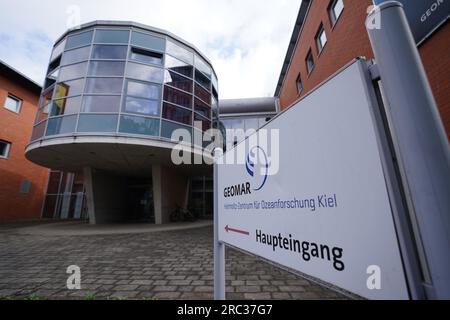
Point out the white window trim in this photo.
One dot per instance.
(13, 97)
(319, 44)
(8, 148)
(331, 12)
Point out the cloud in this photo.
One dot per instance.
(245, 40)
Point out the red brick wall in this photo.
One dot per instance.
(16, 128)
(347, 40)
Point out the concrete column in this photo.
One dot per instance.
(157, 193)
(87, 175)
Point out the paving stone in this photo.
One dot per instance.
(159, 265)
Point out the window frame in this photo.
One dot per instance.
(309, 55)
(320, 46)
(17, 99)
(331, 12)
(8, 149)
(297, 82)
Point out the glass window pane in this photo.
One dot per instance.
(205, 123)
(79, 40)
(143, 72)
(337, 8)
(178, 66)
(69, 88)
(202, 108)
(174, 113)
(177, 97)
(203, 66)
(106, 68)
(175, 80)
(202, 94)
(66, 106)
(202, 79)
(101, 103)
(104, 85)
(75, 55)
(167, 128)
(97, 123)
(214, 82)
(73, 71)
(146, 56)
(139, 125)
(58, 50)
(147, 41)
(61, 125)
(141, 106)
(179, 52)
(144, 90)
(38, 131)
(109, 52)
(12, 104)
(111, 36)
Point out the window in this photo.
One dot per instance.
(173, 79)
(141, 106)
(167, 128)
(335, 10)
(97, 123)
(201, 78)
(4, 149)
(174, 113)
(106, 68)
(321, 39)
(76, 55)
(147, 41)
(299, 84)
(104, 85)
(61, 125)
(109, 52)
(146, 56)
(177, 97)
(143, 90)
(201, 65)
(12, 103)
(68, 88)
(66, 106)
(25, 185)
(79, 40)
(178, 66)
(139, 125)
(111, 36)
(143, 72)
(179, 52)
(58, 49)
(202, 108)
(73, 71)
(202, 94)
(101, 103)
(309, 61)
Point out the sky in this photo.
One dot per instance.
(246, 40)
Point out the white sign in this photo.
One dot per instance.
(326, 211)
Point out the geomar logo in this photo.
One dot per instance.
(257, 165)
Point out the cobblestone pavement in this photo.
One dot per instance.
(160, 265)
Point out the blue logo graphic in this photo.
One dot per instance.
(257, 155)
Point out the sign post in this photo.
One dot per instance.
(419, 139)
(219, 247)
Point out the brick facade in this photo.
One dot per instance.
(348, 39)
(16, 129)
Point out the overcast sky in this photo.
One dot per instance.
(246, 40)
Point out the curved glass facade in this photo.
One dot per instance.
(121, 80)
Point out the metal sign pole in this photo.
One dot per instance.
(219, 247)
(420, 141)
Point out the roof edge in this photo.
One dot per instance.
(298, 28)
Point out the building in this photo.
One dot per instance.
(114, 94)
(329, 34)
(22, 182)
